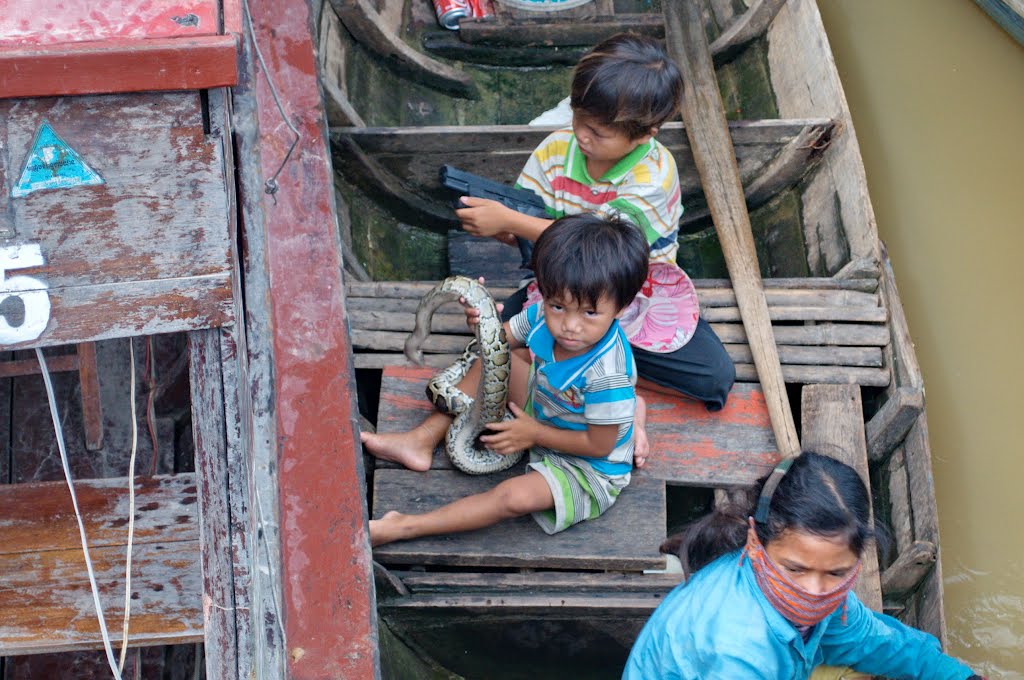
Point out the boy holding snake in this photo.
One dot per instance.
(608, 162)
(579, 402)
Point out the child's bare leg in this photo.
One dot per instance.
(415, 449)
(512, 498)
(641, 445)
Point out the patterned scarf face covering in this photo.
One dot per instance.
(796, 605)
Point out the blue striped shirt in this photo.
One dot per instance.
(595, 388)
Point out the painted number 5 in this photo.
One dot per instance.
(24, 302)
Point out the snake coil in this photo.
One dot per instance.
(462, 441)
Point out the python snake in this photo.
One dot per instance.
(462, 441)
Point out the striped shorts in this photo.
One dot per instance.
(580, 491)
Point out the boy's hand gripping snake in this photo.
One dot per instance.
(462, 443)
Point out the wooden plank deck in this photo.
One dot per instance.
(45, 599)
(689, 446)
(829, 330)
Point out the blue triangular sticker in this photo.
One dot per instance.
(52, 164)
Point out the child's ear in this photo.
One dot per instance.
(646, 138)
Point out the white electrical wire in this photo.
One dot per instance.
(78, 515)
(131, 509)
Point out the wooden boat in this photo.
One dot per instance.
(245, 554)
(1009, 14)
(405, 97)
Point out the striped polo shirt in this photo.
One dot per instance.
(643, 188)
(595, 388)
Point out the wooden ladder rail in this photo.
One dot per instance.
(83, 360)
(708, 132)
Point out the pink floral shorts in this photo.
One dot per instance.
(664, 313)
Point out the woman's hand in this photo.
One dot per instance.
(484, 217)
(512, 436)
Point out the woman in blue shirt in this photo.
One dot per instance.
(771, 598)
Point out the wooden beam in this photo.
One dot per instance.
(708, 132)
(194, 63)
(833, 425)
(312, 578)
(890, 424)
(909, 569)
(749, 26)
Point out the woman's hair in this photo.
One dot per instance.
(588, 256)
(627, 82)
(818, 495)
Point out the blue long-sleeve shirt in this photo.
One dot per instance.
(720, 625)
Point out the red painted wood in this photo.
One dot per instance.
(329, 615)
(689, 445)
(30, 22)
(117, 65)
(233, 16)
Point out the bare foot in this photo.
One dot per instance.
(641, 445)
(386, 529)
(413, 449)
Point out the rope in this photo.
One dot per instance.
(131, 510)
(78, 515)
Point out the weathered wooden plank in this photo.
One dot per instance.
(817, 334)
(690, 446)
(909, 569)
(154, 157)
(89, 384)
(890, 424)
(57, 364)
(833, 425)
(417, 289)
(39, 516)
(500, 140)
(491, 606)
(791, 373)
(408, 159)
(536, 581)
(94, 245)
(46, 606)
(626, 537)
(814, 356)
(805, 82)
(188, 63)
(779, 313)
(899, 502)
(209, 434)
(833, 375)
(906, 370)
(556, 31)
(98, 312)
(927, 601)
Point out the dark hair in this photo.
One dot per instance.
(588, 256)
(818, 495)
(627, 82)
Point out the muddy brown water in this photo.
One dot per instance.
(937, 94)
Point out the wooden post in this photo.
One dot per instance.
(708, 132)
(833, 425)
(312, 590)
